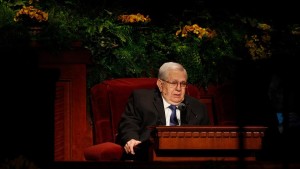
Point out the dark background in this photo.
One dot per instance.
(27, 91)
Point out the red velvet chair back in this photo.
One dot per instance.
(108, 101)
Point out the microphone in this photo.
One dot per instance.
(182, 107)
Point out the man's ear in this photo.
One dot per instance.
(159, 85)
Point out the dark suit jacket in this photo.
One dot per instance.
(145, 108)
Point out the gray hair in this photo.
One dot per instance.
(164, 70)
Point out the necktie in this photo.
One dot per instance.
(173, 118)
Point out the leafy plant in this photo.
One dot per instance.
(134, 49)
(135, 45)
(12, 34)
(123, 50)
(64, 27)
(204, 52)
(6, 13)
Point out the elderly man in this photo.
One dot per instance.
(166, 105)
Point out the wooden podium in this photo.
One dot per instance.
(195, 143)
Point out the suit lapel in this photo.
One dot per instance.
(183, 114)
(158, 104)
(188, 113)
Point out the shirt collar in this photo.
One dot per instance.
(166, 104)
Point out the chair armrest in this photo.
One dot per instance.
(107, 151)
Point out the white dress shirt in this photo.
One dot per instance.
(168, 112)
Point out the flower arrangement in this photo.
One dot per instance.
(259, 45)
(196, 29)
(203, 52)
(134, 18)
(29, 15)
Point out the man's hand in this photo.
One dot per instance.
(129, 146)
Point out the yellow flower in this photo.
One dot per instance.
(196, 29)
(134, 18)
(259, 46)
(31, 14)
(264, 26)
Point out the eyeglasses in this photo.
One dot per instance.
(175, 83)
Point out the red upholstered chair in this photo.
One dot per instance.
(108, 101)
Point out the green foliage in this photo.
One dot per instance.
(11, 34)
(121, 50)
(64, 27)
(102, 37)
(206, 60)
(6, 13)
(137, 49)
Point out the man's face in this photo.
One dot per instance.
(173, 88)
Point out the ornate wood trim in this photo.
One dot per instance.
(206, 143)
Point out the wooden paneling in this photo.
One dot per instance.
(199, 143)
(72, 129)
